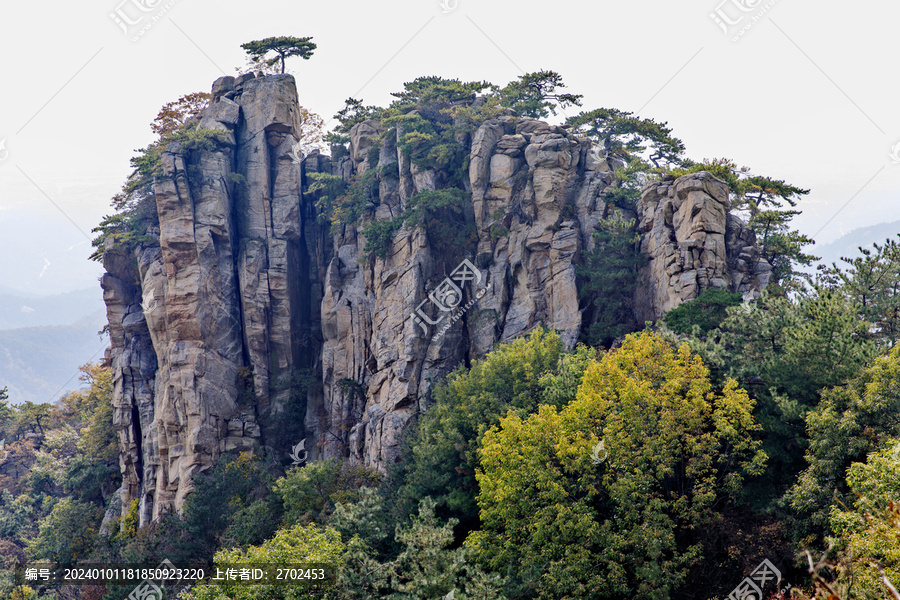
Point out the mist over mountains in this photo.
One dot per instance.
(45, 338)
(848, 244)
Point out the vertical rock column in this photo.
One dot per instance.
(196, 328)
(270, 252)
(133, 360)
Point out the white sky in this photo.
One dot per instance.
(804, 95)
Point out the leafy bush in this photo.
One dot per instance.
(309, 493)
(706, 311)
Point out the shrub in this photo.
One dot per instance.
(706, 311)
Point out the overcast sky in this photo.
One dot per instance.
(801, 94)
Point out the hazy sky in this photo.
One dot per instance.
(802, 95)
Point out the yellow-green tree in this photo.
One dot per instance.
(852, 421)
(442, 450)
(866, 564)
(578, 519)
(67, 533)
(869, 535)
(301, 544)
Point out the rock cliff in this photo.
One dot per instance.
(247, 324)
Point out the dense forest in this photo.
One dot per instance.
(658, 460)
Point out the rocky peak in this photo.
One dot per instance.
(246, 324)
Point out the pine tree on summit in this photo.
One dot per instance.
(283, 46)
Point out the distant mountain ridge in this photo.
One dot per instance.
(848, 244)
(21, 309)
(37, 364)
(45, 338)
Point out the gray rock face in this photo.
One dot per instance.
(523, 175)
(211, 323)
(246, 324)
(693, 243)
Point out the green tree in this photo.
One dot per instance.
(441, 456)
(645, 148)
(706, 311)
(868, 535)
(31, 418)
(628, 137)
(67, 533)
(535, 95)
(433, 90)
(354, 112)
(610, 277)
(444, 214)
(675, 452)
(425, 566)
(283, 46)
(7, 414)
(310, 492)
(852, 421)
(48, 473)
(872, 282)
(786, 351)
(231, 504)
(92, 473)
(18, 518)
(781, 247)
(795, 347)
(300, 544)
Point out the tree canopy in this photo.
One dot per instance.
(625, 527)
(283, 46)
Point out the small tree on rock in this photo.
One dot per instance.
(283, 46)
